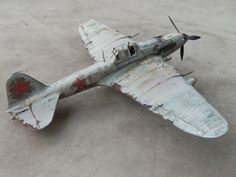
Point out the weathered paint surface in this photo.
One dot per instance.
(20, 87)
(161, 89)
(99, 39)
(131, 68)
(37, 114)
(80, 84)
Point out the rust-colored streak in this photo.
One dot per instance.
(20, 87)
(80, 84)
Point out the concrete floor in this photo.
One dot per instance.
(101, 132)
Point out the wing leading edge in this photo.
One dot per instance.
(161, 89)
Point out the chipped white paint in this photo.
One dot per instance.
(160, 88)
(132, 68)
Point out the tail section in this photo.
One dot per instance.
(20, 87)
(39, 113)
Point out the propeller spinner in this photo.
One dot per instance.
(186, 37)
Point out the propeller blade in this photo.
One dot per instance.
(193, 37)
(173, 24)
(182, 52)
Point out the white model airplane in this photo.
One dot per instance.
(137, 69)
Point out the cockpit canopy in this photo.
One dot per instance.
(125, 52)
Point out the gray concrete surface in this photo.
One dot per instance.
(101, 132)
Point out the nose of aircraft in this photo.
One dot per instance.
(193, 37)
(186, 38)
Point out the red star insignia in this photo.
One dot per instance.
(20, 87)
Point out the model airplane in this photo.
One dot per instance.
(137, 69)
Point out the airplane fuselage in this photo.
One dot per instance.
(86, 78)
(161, 46)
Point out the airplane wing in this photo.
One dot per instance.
(161, 89)
(100, 40)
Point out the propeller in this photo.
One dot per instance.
(193, 37)
(186, 37)
(182, 52)
(174, 24)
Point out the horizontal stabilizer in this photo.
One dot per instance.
(38, 114)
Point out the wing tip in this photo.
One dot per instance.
(218, 131)
(88, 22)
(214, 130)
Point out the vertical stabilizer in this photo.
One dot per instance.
(39, 113)
(20, 87)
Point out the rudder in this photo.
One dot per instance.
(20, 87)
